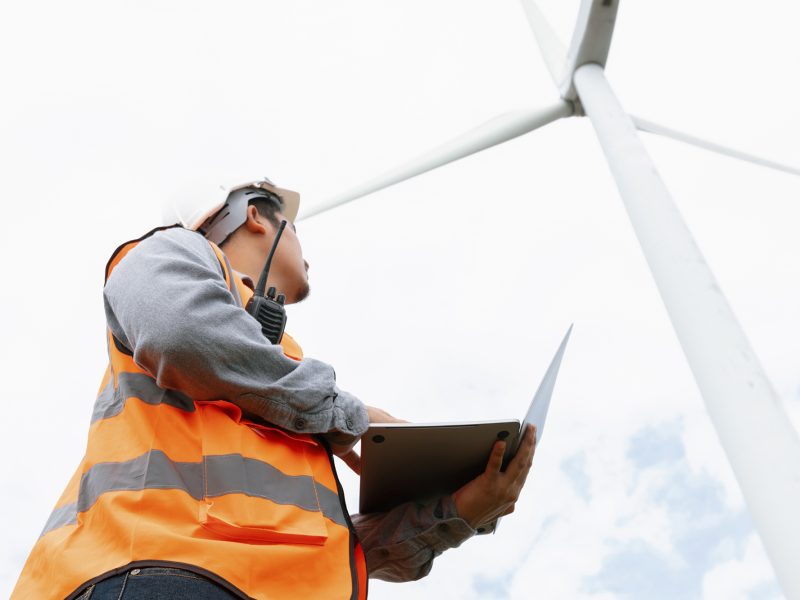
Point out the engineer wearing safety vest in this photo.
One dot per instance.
(208, 471)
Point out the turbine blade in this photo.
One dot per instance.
(496, 131)
(650, 127)
(553, 50)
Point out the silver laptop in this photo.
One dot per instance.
(418, 461)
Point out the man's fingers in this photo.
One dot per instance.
(525, 466)
(378, 415)
(521, 463)
(522, 476)
(496, 459)
(352, 460)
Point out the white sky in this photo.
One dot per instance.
(441, 298)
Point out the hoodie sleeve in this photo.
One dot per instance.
(401, 544)
(168, 303)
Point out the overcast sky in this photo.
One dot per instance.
(441, 298)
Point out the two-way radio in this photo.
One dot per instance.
(269, 310)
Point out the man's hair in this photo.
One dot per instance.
(268, 206)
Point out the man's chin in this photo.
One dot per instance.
(301, 294)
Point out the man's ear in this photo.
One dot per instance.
(255, 223)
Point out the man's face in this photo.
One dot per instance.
(289, 270)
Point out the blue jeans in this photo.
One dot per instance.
(156, 583)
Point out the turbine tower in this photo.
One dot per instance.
(758, 438)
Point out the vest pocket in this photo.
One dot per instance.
(258, 486)
(258, 521)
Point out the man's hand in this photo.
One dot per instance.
(342, 445)
(377, 415)
(493, 493)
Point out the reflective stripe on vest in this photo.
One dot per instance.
(227, 474)
(193, 484)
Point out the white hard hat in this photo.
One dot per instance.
(194, 209)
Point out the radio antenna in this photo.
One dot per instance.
(262, 281)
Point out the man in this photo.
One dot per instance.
(208, 472)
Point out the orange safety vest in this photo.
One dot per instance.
(168, 481)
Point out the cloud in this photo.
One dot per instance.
(654, 537)
(748, 576)
(574, 468)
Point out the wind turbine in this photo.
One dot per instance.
(758, 438)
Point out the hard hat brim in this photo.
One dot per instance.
(291, 201)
